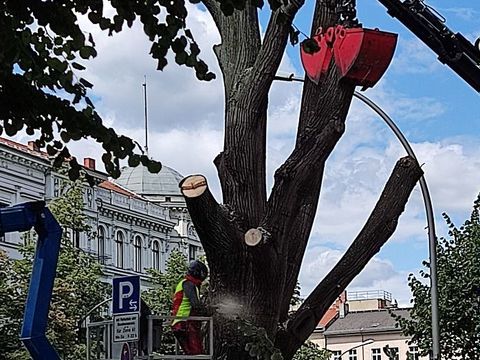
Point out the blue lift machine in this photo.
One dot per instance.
(23, 217)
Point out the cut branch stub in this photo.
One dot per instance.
(193, 186)
(253, 237)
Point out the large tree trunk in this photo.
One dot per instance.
(255, 283)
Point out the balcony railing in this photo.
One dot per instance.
(369, 295)
(140, 206)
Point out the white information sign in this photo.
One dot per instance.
(125, 327)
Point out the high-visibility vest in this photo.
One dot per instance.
(181, 303)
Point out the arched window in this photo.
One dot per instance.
(119, 241)
(137, 258)
(101, 245)
(156, 255)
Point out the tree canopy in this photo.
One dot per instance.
(458, 269)
(43, 48)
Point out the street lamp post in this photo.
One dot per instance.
(432, 237)
(366, 342)
(428, 209)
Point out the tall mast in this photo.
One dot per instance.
(145, 112)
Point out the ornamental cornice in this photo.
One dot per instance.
(22, 160)
(118, 214)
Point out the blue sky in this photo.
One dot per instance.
(438, 112)
(428, 76)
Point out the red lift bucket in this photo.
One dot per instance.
(317, 64)
(363, 55)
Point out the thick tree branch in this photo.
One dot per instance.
(297, 176)
(212, 221)
(241, 165)
(298, 235)
(273, 49)
(379, 227)
(330, 97)
(240, 43)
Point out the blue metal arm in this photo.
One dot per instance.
(23, 217)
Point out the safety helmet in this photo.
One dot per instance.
(198, 270)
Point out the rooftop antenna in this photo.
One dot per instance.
(145, 112)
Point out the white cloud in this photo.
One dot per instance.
(354, 180)
(402, 107)
(463, 13)
(414, 57)
(175, 97)
(379, 274)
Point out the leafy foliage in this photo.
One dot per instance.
(160, 297)
(259, 346)
(257, 343)
(44, 50)
(43, 46)
(311, 351)
(296, 299)
(77, 286)
(459, 295)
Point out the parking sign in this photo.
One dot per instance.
(126, 295)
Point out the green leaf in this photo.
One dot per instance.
(58, 65)
(65, 136)
(154, 167)
(87, 52)
(209, 76)
(179, 44)
(188, 34)
(51, 151)
(181, 58)
(133, 160)
(78, 66)
(85, 83)
(104, 23)
(94, 17)
(161, 63)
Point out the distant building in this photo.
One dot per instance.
(361, 316)
(138, 219)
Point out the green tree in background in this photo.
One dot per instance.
(459, 294)
(160, 297)
(311, 351)
(77, 285)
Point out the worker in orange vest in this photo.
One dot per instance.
(186, 302)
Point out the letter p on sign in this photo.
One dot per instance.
(126, 290)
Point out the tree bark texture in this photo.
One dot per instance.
(256, 283)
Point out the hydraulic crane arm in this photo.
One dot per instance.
(23, 217)
(428, 25)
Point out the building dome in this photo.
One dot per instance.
(142, 182)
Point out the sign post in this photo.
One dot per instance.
(126, 308)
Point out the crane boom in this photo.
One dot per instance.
(453, 49)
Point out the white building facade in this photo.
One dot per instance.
(134, 232)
